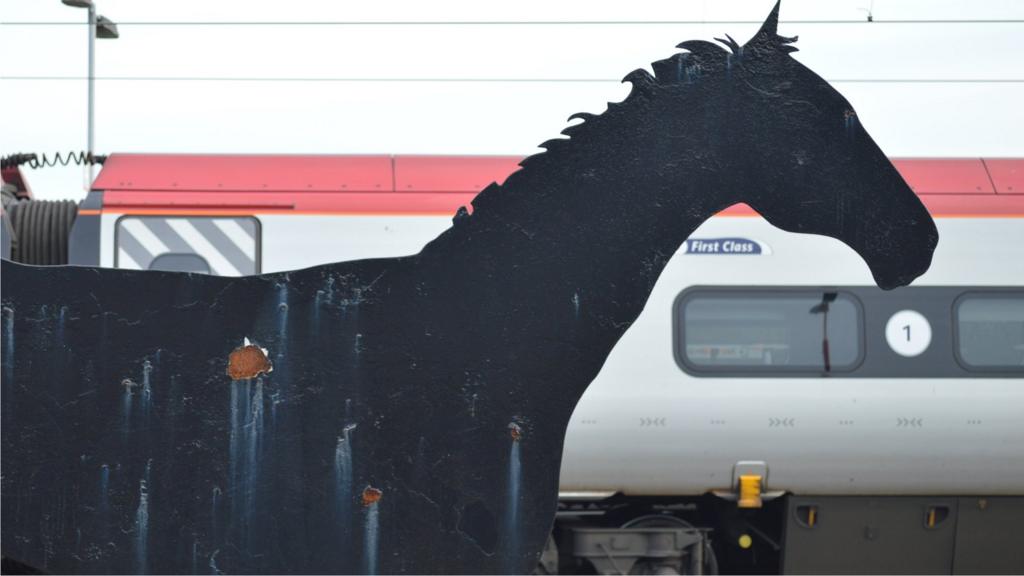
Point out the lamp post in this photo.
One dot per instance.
(99, 27)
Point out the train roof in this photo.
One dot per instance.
(407, 184)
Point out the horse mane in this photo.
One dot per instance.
(699, 57)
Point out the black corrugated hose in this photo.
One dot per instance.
(42, 229)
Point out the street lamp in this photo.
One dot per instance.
(99, 27)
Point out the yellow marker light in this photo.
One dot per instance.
(931, 517)
(750, 491)
(746, 541)
(812, 516)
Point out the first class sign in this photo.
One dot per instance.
(724, 246)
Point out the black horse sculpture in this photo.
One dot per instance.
(414, 416)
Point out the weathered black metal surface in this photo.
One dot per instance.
(440, 383)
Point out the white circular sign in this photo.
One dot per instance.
(908, 333)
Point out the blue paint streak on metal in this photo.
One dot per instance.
(195, 555)
(8, 358)
(282, 316)
(214, 502)
(47, 551)
(576, 303)
(254, 432)
(330, 290)
(245, 450)
(512, 508)
(343, 481)
(8, 314)
(104, 504)
(317, 302)
(275, 399)
(126, 408)
(370, 539)
(147, 391)
(142, 523)
(213, 563)
(233, 448)
(279, 343)
(60, 326)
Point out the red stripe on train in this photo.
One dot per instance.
(169, 183)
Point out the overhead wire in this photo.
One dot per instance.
(480, 80)
(518, 22)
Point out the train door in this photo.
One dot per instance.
(218, 245)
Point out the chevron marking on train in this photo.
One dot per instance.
(652, 422)
(781, 422)
(909, 422)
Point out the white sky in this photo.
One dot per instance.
(332, 117)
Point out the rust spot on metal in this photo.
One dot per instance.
(371, 495)
(515, 431)
(248, 361)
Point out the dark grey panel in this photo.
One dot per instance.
(93, 201)
(84, 241)
(180, 263)
(864, 535)
(6, 234)
(988, 536)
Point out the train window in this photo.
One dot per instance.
(990, 331)
(729, 330)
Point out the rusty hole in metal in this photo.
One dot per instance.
(371, 495)
(248, 361)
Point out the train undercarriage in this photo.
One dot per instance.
(789, 534)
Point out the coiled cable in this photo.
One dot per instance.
(34, 160)
(42, 229)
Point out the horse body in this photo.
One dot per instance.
(414, 417)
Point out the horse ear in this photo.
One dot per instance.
(767, 38)
(771, 24)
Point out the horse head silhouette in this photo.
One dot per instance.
(415, 414)
(805, 162)
(719, 125)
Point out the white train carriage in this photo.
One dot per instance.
(769, 393)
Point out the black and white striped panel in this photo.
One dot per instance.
(225, 246)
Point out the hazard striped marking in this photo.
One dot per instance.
(227, 245)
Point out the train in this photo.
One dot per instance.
(771, 410)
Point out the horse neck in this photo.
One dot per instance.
(586, 230)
